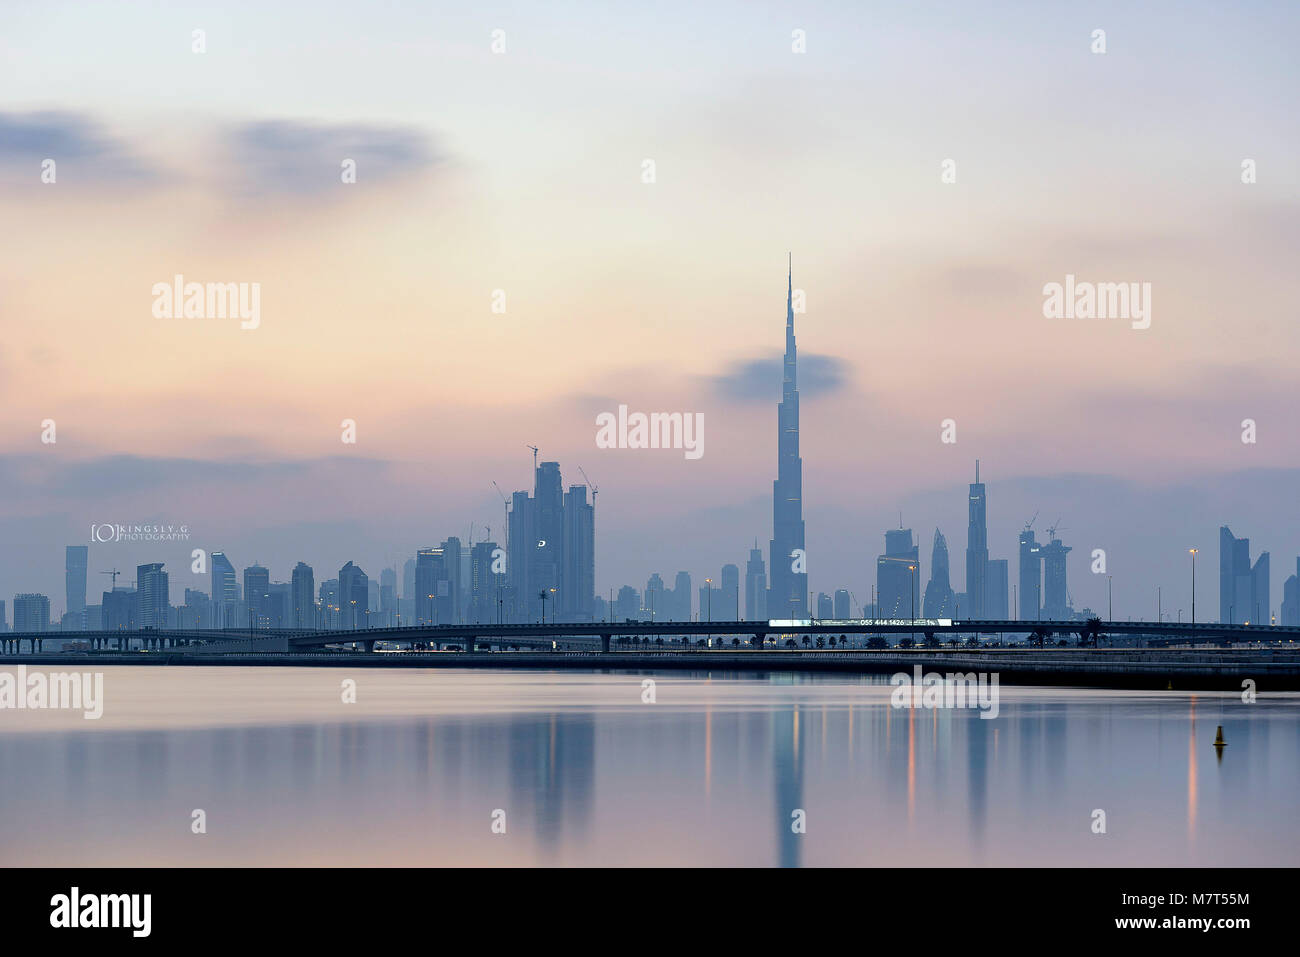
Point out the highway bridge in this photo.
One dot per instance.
(612, 636)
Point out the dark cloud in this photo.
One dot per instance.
(283, 156)
(759, 380)
(100, 479)
(82, 150)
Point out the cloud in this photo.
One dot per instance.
(759, 380)
(288, 157)
(82, 150)
(99, 479)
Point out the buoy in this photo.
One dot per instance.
(1218, 738)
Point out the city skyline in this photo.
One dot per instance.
(551, 546)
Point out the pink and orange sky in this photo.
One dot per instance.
(522, 171)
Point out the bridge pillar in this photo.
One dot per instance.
(759, 639)
(604, 643)
(369, 645)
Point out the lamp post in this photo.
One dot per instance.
(1110, 613)
(708, 597)
(1192, 552)
(911, 588)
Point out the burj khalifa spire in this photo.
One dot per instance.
(788, 595)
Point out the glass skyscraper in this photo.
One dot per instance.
(788, 594)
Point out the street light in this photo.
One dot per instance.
(708, 596)
(1192, 552)
(911, 587)
(1110, 613)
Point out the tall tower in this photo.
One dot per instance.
(74, 577)
(977, 550)
(788, 594)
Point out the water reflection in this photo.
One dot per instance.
(589, 774)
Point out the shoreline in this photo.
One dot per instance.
(1164, 669)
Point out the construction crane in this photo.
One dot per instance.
(114, 573)
(1030, 524)
(595, 490)
(534, 448)
(1051, 532)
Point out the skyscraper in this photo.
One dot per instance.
(552, 550)
(842, 604)
(329, 603)
(578, 557)
(729, 595)
(977, 549)
(825, 605)
(681, 593)
(521, 542)
(486, 602)
(788, 595)
(996, 590)
(354, 597)
(257, 596)
(225, 591)
(755, 586)
(153, 595)
(1243, 588)
(1290, 600)
(1031, 577)
(653, 599)
(546, 555)
(303, 588)
(74, 578)
(898, 576)
(451, 611)
(31, 612)
(1056, 591)
(939, 598)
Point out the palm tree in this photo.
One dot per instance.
(543, 597)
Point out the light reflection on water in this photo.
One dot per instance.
(588, 774)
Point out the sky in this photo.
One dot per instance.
(518, 176)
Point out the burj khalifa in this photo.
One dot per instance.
(787, 596)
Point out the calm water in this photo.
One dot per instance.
(586, 773)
